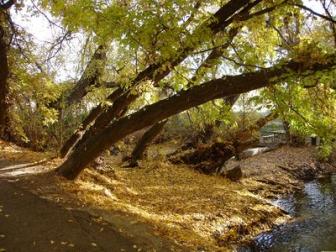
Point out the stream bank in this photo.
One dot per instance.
(313, 226)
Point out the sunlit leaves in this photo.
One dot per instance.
(172, 37)
(308, 110)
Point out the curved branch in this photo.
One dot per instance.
(186, 99)
(315, 13)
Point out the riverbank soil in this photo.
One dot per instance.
(169, 207)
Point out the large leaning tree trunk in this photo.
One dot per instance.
(146, 139)
(154, 131)
(186, 99)
(94, 113)
(91, 77)
(118, 109)
(149, 135)
(4, 87)
(234, 9)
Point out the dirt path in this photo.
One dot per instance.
(29, 223)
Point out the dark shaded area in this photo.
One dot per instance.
(29, 223)
(4, 87)
(4, 5)
(207, 159)
(145, 140)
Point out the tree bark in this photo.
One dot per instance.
(118, 109)
(90, 76)
(76, 136)
(73, 139)
(214, 89)
(149, 135)
(145, 140)
(4, 87)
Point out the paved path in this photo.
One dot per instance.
(29, 223)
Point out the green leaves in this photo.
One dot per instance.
(172, 37)
(308, 105)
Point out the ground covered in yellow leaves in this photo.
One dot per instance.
(194, 210)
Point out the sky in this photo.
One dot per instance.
(43, 34)
(38, 26)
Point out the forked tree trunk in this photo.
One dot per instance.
(4, 88)
(149, 135)
(73, 139)
(145, 140)
(155, 72)
(90, 77)
(122, 103)
(76, 136)
(117, 110)
(186, 99)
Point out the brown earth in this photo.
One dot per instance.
(165, 206)
(35, 219)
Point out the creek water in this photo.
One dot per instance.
(314, 225)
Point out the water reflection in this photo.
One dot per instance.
(314, 228)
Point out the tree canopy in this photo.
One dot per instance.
(141, 62)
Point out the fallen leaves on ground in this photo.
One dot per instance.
(193, 209)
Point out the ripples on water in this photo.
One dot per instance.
(314, 226)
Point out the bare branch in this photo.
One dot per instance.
(315, 13)
(45, 16)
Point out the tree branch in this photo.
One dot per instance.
(315, 13)
(186, 99)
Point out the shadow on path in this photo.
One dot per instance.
(29, 223)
